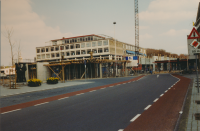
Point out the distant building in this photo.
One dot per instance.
(103, 47)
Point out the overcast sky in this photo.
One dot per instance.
(164, 24)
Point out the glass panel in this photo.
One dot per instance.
(105, 42)
(99, 43)
(38, 50)
(48, 55)
(82, 45)
(93, 44)
(88, 44)
(38, 56)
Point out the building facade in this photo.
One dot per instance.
(102, 47)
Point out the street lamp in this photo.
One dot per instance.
(115, 48)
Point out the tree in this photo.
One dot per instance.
(8, 34)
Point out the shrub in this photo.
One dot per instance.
(34, 82)
(52, 80)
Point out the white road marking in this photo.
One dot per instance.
(41, 104)
(110, 86)
(63, 98)
(161, 95)
(135, 117)
(102, 88)
(120, 130)
(155, 100)
(147, 107)
(166, 91)
(157, 76)
(92, 90)
(79, 94)
(10, 111)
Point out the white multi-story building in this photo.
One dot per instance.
(103, 47)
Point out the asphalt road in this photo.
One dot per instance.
(108, 109)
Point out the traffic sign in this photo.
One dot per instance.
(194, 34)
(196, 51)
(195, 44)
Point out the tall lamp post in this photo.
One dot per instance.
(115, 49)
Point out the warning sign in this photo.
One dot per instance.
(194, 34)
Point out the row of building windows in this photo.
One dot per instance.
(90, 38)
(74, 46)
(72, 53)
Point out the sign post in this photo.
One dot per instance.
(197, 73)
(85, 69)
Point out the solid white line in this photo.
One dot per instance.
(10, 111)
(147, 107)
(63, 98)
(161, 95)
(135, 117)
(120, 130)
(155, 100)
(41, 104)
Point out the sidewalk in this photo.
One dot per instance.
(5, 91)
(193, 124)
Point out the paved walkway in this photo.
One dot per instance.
(5, 91)
(192, 124)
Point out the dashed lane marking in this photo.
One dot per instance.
(120, 130)
(110, 86)
(63, 98)
(166, 91)
(41, 104)
(79, 94)
(135, 117)
(147, 107)
(155, 100)
(10, 111)
(161, 95)
(92, 90)
(102, 88)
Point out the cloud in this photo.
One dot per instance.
(146, 36)
(29, 28)
(169, 11)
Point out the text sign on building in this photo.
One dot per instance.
(196, 51)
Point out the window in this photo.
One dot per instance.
(48, 55)
(61, 47)
(82, 45)
(94, 50)
(100, 50)
(106, 50)
(88, 38)
(78, 40)
(62, 54)
(70, 41)
(63, 42)
(38, 57)
(81, 39)
(77, 45)
(75, 40)
(43, 50)
(88, 51)
(72, 53)
(67, 54)
(52, 55)
(47, 49)
(78, 52)
(99, 43)
(54, 42)
(72, 47)
(57, 48)
(105, 42)
(38, 50)
(93, 44)
(91, 38)
(52, 48)
(57, 54)
(67, 47)
(67, 41)
(88, 44)
(82, 51)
